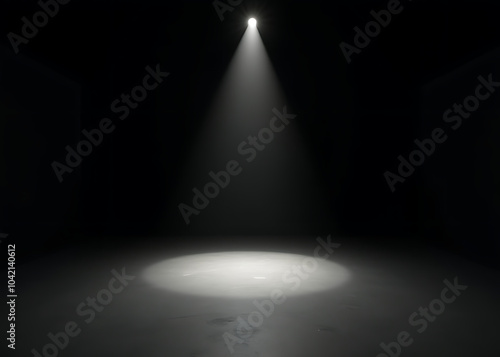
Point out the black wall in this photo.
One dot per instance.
(358, 117)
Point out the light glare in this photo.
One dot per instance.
(252, 22)
(245, 274)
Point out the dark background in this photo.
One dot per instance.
(359, 117)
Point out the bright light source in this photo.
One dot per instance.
(252, 22)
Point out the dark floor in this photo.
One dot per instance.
(363, 295)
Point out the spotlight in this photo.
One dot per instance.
(246, 274)
(252, 22)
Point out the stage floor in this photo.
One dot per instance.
(360, 299)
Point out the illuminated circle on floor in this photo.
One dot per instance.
(246, 274)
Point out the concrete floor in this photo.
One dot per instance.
(357, 299)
